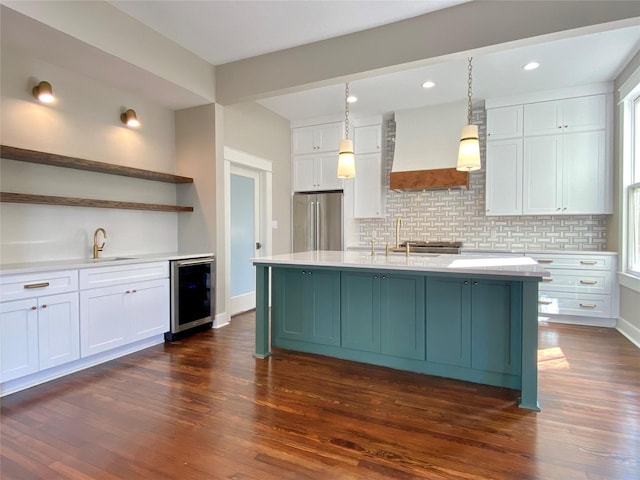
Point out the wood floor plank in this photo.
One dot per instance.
(204, 408)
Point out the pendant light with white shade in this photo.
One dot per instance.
(346, 158)
(469, 150)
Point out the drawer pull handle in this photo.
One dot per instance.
(588, 282)
(544, 302)
(588, 305)
(544, 260)
(588, 262)
(37, 285)
(547, 279)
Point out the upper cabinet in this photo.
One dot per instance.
(316, 172)
(368, 139)
(504, 122)
(570, 115)
(559, 163)
(316, 138)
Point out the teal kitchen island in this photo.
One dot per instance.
(472, 318)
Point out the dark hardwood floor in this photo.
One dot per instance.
(204, 408)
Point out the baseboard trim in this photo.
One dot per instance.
(243, 303)
(628, 330)
(221, 320)
(577, 320)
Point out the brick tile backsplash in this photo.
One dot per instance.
(459, 215)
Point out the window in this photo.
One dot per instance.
(632, 182)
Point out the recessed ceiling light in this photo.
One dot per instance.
(352, 99)
(428, 84)
(531, 66)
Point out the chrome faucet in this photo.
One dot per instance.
(97, 249)
(398, 225)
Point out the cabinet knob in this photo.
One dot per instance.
(34, 308)
(384, 277)
(309, 273)
(44, 306)
(566, 126)
(465, 282)
(303, 272)
(559, 126)
(475, 283)
(375, 276)
(133, 291)
(127, 292)
(558, 209)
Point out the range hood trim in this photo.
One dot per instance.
(439, 178)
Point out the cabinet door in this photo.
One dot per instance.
(304, 177)
(367, 139)
(367, 186)
(324, 302)
(304, 140)
(360, 309)
(329, 136)
(495, 327)
(290, 310)
(543, 118)
(584, 182)
(327, 172)
(18, 338)
(149, 308)
(402, 317)
(542, 175)
(448, 319)
(504, 177)
(504, 122)
(104, 319)
(58, 329)
(584, 113)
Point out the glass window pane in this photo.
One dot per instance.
(634, 228)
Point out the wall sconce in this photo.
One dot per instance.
(346, 158)
(43, 92)
(129, 118)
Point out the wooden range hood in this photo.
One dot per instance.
(438, 178)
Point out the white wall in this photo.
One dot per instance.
(84, 122)
(253, 129)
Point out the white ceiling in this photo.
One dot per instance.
(223, 31)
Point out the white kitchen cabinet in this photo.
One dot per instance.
(316, 172)
(316, 138)
(367, 139)
(18, 339)
(569, 115)
(132, 306)
(39, 332)
(565, 174)
(367, 187)
(581, 287)
(504, 122)
(504, 177)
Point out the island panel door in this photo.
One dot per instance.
(448, 319)
(325, 306)
(495, 327)
(402, 316)
(360, 311)
(289, 309)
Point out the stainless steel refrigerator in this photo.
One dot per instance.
(317, 221)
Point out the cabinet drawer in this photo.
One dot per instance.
(29, 285)
(577, 281)
(119, 274)
(582, 261)
(582, 305)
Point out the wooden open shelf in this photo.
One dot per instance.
(87, 202)
(43, 158)
(51, 159)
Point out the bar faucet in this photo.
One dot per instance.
(398, 225)
(97, 249)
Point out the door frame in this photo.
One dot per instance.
(263, 167)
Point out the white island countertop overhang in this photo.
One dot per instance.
(489, 264)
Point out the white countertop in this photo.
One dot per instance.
(72, 264)
(489, 264)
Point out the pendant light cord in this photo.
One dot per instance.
(346, 110)
(470, 78)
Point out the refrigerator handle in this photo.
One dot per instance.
(312, 222)
(317, 247)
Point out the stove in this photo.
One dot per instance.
(433, 247)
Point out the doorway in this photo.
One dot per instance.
(247, 225)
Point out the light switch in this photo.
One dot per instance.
(274, 224)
